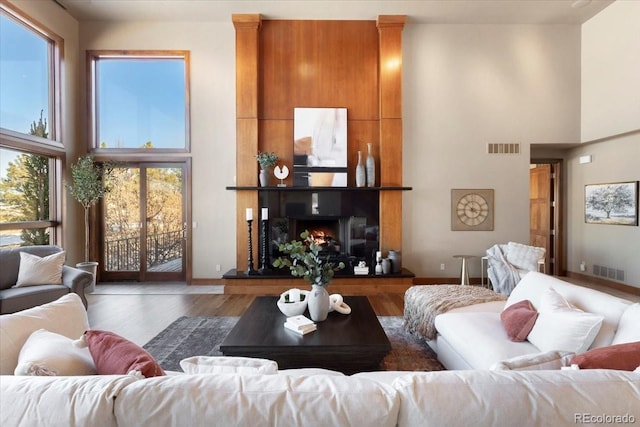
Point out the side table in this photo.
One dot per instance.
(464, 272)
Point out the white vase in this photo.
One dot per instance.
(360, 174)
(371, 167)
(318, 303)
(264, 178)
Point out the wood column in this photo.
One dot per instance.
(390, 90)
(247, 28)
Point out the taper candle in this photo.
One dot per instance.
(265, 214)
(249, 214)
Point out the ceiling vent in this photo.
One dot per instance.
(501, 148)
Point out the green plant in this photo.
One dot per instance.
(304, 261)
(267, 159)
(87, 187)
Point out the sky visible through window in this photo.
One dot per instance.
(24, 81)
(141, 101)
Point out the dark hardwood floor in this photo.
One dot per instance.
(141, 317)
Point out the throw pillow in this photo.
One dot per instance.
(115, 355)
(48, 353)
(228, 365)
(524, 257)
(629, 325)
(35, 270)
(624, 357)
(65, 316)
(535, 362)
(518, 320)
(562, 327)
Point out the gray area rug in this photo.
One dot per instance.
(201, 336)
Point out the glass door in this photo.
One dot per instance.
(143, 223)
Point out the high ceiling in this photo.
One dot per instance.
(423, 11)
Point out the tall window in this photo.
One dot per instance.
(30, 152)
(139, 100)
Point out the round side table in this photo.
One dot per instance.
(464, 272)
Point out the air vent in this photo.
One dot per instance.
(501, 148)
(608, 272)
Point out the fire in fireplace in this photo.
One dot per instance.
(325, 233)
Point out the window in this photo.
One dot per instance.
(30, 155)
(139, 101)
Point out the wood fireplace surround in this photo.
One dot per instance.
(283, 64)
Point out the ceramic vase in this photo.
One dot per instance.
(89, 267)
(371, 167)
(386, 266)
(264, 178)
(396, 261)
(360, 173)
(318, 303)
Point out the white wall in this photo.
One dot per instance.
(61, 23)
(610, 111)
(466, 86)
(610, 70)
(212, 79)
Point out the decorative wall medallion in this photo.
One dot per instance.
(471, 210)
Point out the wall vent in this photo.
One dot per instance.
(596, 270)
(502, 148)
(609, 273)
(620, 275)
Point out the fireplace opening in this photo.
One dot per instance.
(325, 233)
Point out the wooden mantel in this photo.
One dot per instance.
(285, 64)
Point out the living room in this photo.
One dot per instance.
(561, 86)
(456, 99)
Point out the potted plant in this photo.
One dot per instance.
(87, 187)
(266, 160)
(304, 260)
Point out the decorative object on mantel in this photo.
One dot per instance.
(250, 270)
(361, 269)
(293, 302)
(267, 160)
(472, 210)
(281, 174)
(264, 264)
(378, 269)
(305, 261)
(386, 266)
(360, 173)
(371, 167)
(396, 261)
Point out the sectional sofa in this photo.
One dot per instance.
(309, 397)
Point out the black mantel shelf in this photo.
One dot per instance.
(355, 189)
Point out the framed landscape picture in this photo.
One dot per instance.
(614, 203)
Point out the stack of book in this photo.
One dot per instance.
(300, 324)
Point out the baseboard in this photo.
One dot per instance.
(206, 282)
(604, 282)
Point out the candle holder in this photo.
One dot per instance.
(250, 270)
(264, 265)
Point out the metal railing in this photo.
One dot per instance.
(124, 254)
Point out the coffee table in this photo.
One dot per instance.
(347, 343)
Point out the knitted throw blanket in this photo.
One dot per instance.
(423, 303)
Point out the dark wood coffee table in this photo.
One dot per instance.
(347, 343)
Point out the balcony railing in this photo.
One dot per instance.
(124, 254)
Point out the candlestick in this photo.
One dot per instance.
(265, 214)
(250, 269)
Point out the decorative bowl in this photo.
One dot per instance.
(293, 308)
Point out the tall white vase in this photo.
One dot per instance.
(360, 173)
(371, 167)
(318, 303)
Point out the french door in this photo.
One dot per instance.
(143, 223)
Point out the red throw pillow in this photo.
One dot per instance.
(518, 320)
(114, 355)
(624, 357)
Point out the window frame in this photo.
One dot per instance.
(51, 147)
(92, 114)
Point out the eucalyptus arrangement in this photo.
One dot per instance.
(304, 261)
(267, 159)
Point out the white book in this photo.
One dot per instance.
(302, 330)
(299, 321)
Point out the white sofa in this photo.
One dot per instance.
(473, 337)
(297, 397)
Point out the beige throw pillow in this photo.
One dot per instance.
(35, 270)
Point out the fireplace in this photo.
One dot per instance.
(346, 227)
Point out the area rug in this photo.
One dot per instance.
(201, 336)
